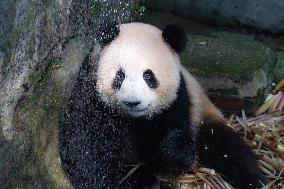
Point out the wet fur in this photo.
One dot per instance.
(97, 144)
(94, 142)
(222, 149)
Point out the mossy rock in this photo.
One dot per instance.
(229, 55)
(225, 62)
(36, 120)
(278, 70)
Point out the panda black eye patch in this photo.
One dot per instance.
(150, 79)
(119, 78)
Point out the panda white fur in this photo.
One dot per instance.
(134, 103)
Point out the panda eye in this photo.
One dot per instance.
(119, 78)
(147, 76)
(150, 79)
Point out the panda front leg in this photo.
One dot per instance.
(177, 154)
(143, 178)
(222, 149)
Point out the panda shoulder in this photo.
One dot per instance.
(201, 107)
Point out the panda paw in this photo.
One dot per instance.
(177, 153)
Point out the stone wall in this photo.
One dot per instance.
(42, 44)
(260, 14)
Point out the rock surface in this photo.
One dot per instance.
(31, 158)
(226, 63)
(7, 12)
(278, 70)
(42, 44)
(36, 120)
(260, 14)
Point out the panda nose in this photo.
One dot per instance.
(131, 104)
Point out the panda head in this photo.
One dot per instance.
(138, 71)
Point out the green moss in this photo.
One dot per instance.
(229, 55)
(44, 80)
(29, 102)
(46, 75)
(31, 78)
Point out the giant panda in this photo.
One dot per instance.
(134, 106)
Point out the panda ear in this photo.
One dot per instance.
(175, 36)
(107, 32)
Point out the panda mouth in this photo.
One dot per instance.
(135, 110)
(138, 110)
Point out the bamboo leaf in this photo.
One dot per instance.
(267, 104)
(130, 172)
(268, 185)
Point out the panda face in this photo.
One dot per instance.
(135, 91)
(138, 73)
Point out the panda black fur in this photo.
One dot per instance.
(158, 117)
